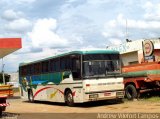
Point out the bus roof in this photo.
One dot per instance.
(74, 52)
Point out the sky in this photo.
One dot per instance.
(50, 27)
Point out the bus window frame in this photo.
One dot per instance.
(54, 65)
(78, 71)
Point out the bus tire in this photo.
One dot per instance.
(69, 98)
(30, 96)
(1, 111)
(131, 92)
(120, 100)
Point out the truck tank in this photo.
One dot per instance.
(150, 70)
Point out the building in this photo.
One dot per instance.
(13, 76)
(8, 46)
(132, 51)
(13, 80)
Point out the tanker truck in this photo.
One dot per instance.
(3, 103)
(5, 92)
(139, 78)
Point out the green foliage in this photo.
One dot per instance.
(6, 78)
(154, 99)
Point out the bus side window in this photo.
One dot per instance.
(51, 66)
(32, 69)
(24, 71)
(29, 70)
(76, 68)
(62, 63)
(37, 68)
(54, 65)
(45, 67)
(65, 63)
(57, 65)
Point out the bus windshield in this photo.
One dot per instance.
(101, 66)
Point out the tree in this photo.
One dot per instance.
(7, 77)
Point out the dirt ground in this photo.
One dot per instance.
(20, 106)
(21, 109)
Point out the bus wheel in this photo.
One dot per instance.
(0, 111)
(131, 92)
(30, 96)
(69, 98)
(120, 100)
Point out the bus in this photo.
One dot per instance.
(73, 77)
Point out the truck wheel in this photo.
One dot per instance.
(69, 98)
(30, 96)
(131, 92)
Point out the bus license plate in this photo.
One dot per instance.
(93, 96)
(120, 94)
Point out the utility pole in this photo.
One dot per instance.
(126, 29)
(3, 77)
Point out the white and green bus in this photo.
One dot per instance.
(73, 77)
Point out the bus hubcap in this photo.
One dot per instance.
(70, 97)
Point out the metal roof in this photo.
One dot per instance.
(74, 52)
(9, 45)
